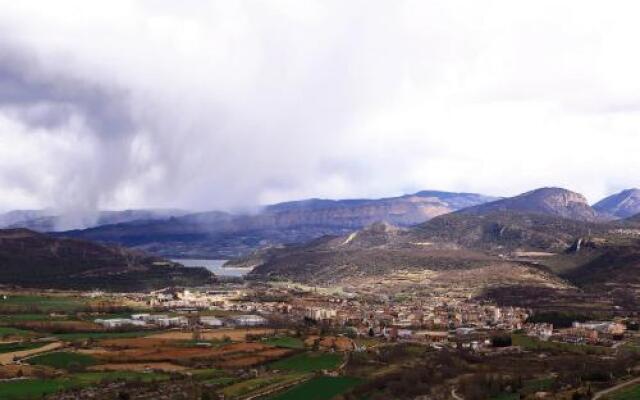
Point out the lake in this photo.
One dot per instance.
(214, 266)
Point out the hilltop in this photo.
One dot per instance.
(620, 205)
(36, 260)
(546, 201)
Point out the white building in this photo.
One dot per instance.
(319, 313)
(248, 320)
(172, 321)
(119, 322)
(211, 322)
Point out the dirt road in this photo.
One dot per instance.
(7, 358)
(623, 385)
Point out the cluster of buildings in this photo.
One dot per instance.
(591, 332)
(180, 321)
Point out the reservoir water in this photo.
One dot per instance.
(214, 266)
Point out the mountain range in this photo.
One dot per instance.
(553, 229)
(548, 236)
(223, 235)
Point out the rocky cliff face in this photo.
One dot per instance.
(221, 235)
(546, 201)
(620, 205)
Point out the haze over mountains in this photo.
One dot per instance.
(549, 237)
(50, 220)
(223, 235)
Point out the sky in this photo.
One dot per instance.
(233, 104)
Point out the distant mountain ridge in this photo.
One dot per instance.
(546, 201)
(223, 235)
(50, 220)
(620, 205)
(543, 221)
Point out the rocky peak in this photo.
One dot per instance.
(620, 205)
(549, 201)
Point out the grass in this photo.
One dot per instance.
(44, 304)
(9, 331)
(629, 393)
(19, 346)
(309, 362)
(103, 335)
(321, 388)
(529, 343)
(258, 384)
(63, 360)
(538, 385)
(8, 318)
(286, 342)
(207, 373)
(27, 389)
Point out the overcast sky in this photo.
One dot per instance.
(230, 104)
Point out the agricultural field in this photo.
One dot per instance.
(43, 304)
(35, 388)
(285, 341)
(308, 362)
(530, 343)
(18, 346)
(63, 360)
(237, 335)
(321, 388)
(629, 393)
(261, 384)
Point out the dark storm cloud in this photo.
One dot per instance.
(48, 99)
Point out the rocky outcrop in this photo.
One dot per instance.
(546, 201)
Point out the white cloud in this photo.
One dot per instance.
(230, 104)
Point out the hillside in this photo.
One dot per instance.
(620, 205)
(383, 255)
(472, 239)
(505, 231)
(223, 235)
(36, 260)
(545, 201)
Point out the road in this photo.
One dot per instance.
(622, 385)
(7, 358)
(455, 395)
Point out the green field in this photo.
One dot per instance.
(36, 388)
(8, 331)
(538, 385)
(259, 384)
(63, 360)
(530, 343)
(43, 304)
(286, 342)
(19, 346)
(309, 362)
(321, 388)
(630, 393)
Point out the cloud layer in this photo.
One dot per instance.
(228, 105)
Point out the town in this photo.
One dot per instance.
(261, 340)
